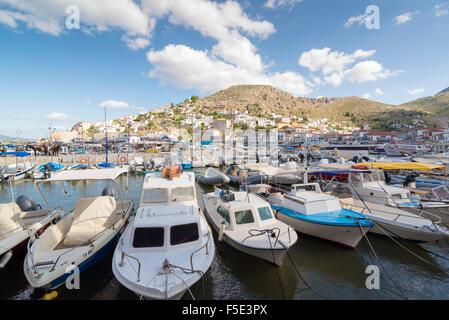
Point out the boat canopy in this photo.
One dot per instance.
(94, 174)
(16, 154)
(401, 166)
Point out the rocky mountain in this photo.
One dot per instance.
(265, 100)
(436, 105)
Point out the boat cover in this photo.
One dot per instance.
(401, 166)
(9, 217)
(89, 219)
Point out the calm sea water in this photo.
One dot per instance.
(333, 272)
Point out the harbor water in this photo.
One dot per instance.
(331, 271)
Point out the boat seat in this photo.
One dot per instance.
(90, 217)
(9, 218)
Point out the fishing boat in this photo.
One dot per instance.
(21, 220)
(168, 246)
(247, 223)
(213, 177)
(47, 170)
(18, 170)
(397, 223)
(318, 214)
(81, 238)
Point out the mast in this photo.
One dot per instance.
(106, 131)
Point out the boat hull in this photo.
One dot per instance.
(348, 236)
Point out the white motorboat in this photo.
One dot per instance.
(18, 170)
(370, 186)
(397, 223)
(20, 221)
(168, 246)
(318, 214)
(81, 238)
(247, 223)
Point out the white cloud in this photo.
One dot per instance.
(118, 105)
(329, 62)
(441, 10)
(379, 92)
(414, 92)
(57, 116)
(335, 66)
(114, 104)
(88, 101)
(358, 19)
(49, 16)
(366, 96)
(273, 4)
(189, 68)
(404, 18)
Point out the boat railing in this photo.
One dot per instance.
(206, 245)
(122, 261)
(89, 241)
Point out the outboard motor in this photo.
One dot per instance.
(410, 180)
(365, 158)
(387, 176)
(26, 204)
(108, 191)
(47, 171)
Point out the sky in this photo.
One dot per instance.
(61, 61)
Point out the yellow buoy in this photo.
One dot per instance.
(50, 296)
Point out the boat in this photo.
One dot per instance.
(80, 167)
(238, 176)
(46, 170)
(213, 177)
(247, 223)
(280, 176)
(397, 223)
(168, 245)
(107, 165)
(81, 238)
(370, 186)
(21, 220)
(18, 170)
(318, 214)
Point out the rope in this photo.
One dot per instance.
(298, 273)
(277, 269)
(380, 262)
(416, 246)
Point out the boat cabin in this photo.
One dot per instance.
(307, 199)
(241, 210)
(167, 218)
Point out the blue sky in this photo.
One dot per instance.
(147, 53)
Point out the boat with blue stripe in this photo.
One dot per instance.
(312, 212)
(83, 237)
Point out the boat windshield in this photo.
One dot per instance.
(265, 213)
(158, 195)
(182, 194)
(244, 217)
(184, 233)
(148, 238)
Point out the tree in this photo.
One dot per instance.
(92, 131)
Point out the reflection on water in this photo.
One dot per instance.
(333, 272)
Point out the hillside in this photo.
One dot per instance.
(437, 105)
(265, 100)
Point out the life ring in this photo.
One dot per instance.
(84, 161)
(123, 159)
